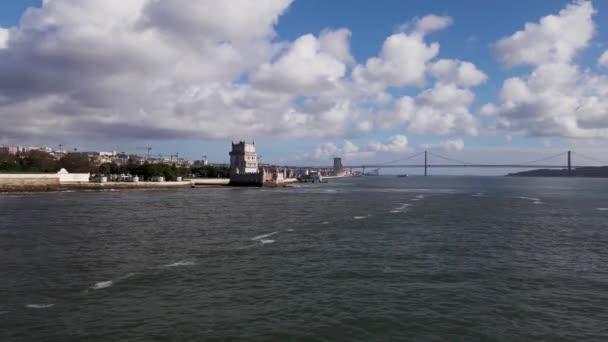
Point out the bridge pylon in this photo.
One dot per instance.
(569, 163)
(425, 164)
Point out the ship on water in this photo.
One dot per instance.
(312, 178)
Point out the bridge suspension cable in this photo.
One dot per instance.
(403, 159)
(578, 154)
(449, 159)
(543, 159)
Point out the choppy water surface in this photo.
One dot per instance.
(367, 259)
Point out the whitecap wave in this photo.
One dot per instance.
(260, 237)
(3, 312)
(324, 223)
(402, 208)
(360, 217)
(102, 285)
(180, 263)
(264, 242)
(479, 194)
(289, 230)
(39, 306)
(602, 209)
(533, 199)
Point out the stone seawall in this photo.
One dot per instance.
(26, 184)
(209, 181)
(125, 185)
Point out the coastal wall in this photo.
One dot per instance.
(125, 185)
(74, 177)
(29, 182)
(209, 181)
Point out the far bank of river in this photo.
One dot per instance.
(595, 172)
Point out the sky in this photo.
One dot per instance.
(307, 80)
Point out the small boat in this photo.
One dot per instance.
(313, 178)
(402, 176)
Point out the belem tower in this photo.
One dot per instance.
(245, 171)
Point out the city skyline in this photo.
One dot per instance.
(366, 82)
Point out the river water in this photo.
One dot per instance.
(357, 259)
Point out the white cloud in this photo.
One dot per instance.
(603, 60)
(325, 151)
(4, 34)
(464, 74)
(350, 151)
(394, 144)
(151, 69)
(555, 39)
(453, 145)
(442, 110)
(234, 20)
(488, 109)
(556, 98)
(337, 44)
(402, 62)
(304, 69)
(431, 23)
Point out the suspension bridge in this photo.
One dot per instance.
(446, 162)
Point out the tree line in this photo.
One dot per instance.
(43, 162)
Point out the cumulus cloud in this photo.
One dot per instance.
(395, 143)
(554, 39)
(603, 60)
(349, 150)
(458, 72)
(306, 68)
(4, 33)
(453, 145)
(337, 44)
(556, 98)
(235, 20)
(442, 110)
(325, 151)
(402, 62)
(432, 23)
(152, 69)
(488, 109)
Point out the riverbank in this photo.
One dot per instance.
(52, 185)
(593, 172)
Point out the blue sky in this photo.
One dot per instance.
(477, 26)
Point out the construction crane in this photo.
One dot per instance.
(145, 148)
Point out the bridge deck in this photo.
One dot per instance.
(504, 166)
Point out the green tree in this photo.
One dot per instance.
(9, 162)
(76, 163)
(39, 161)
(105, 169)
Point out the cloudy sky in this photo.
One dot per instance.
(307, 79)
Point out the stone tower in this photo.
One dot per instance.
(243, 159)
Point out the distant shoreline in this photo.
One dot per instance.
(584, 172)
